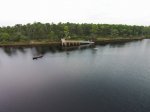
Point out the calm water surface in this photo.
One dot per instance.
(113, 78)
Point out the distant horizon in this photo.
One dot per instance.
(11, 25)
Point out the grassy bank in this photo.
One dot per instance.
(52, 42)
(116, 40)
(29, 43)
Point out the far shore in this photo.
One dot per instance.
(46, 43)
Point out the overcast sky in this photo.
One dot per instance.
(132, 12)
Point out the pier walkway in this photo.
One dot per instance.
(74, 42)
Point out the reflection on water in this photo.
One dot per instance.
(41, 50)
(37, 50)
(113, 78)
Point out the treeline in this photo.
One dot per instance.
(53, 31)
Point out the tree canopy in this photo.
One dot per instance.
(53, 31)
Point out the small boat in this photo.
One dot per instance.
(36, 57)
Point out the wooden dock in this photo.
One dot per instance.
(74, 42)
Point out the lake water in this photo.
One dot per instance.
(113, 78)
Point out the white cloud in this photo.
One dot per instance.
(77, 11)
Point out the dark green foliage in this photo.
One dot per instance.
(53, 31)
(4, 36)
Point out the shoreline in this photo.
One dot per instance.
(116, 40)
(27, 44)
(100, 41)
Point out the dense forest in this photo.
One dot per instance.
(38, 31)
